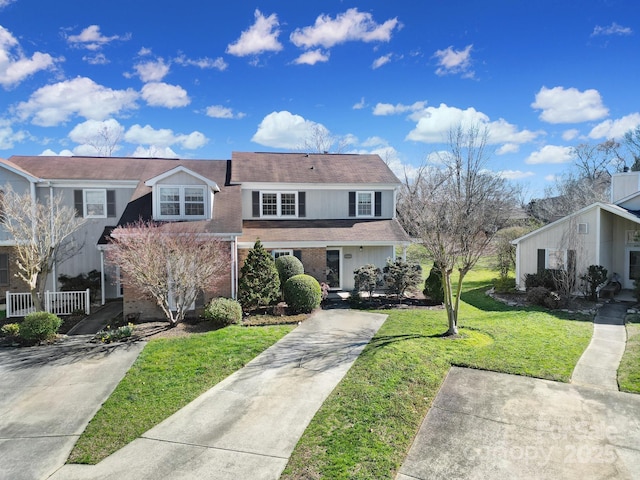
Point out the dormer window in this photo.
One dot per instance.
(181, 201)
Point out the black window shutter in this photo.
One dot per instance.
(302, 204)
(111, 203)
(298, 254)
(255, 202)
(352, 204)
(541, 259)
(78, 203)
(378, 210)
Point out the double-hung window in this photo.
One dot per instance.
(279, 204)
(177, 201)
(364, 204)
(95, 203)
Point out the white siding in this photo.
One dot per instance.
(375, 255)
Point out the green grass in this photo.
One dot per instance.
(629, 371)
(168, 374)
(366, 426)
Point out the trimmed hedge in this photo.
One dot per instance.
(302, 293)
(288, 266)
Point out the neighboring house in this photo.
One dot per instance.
(335, 212)
(606, 234)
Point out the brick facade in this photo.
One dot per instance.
(314, 261)
(15, 285)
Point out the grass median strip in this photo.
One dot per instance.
(366, 426)
(168, 374)
(629, 371)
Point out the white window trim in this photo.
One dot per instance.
(281, 252)
(546, 258)
(85, 203)
(373, 203)
(278, 194)
(583, 228)
(181, 192)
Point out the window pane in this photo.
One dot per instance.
(169, 201)
(288, 204)
(194, 201)
(4, 269)
(95, 203)
(364, 203)
(556, 259)
(269, 204)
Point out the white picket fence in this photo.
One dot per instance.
(59, 303)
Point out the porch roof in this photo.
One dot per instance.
(330, 231)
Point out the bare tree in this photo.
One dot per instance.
(455, 209)
(43, 235)
(632, 142)
(106, 139)
(170, 263)
(320, 140)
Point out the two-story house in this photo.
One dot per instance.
(335, 212)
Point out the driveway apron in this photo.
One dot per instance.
(48, 395)
(247, 425)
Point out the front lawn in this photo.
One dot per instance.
(629, 371)
(168, 374)
(366, 426)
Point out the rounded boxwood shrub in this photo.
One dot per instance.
(288, 266)
(39, 326)
(223, 311)
(302, 293)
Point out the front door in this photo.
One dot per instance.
(633, 267)
(333, 269)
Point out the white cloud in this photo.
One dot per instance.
(508, 148)
(360, 105)
(551, 177)
(285, 130)
(615, 128)
(154, 152)
(91, 38)
(50, 153)
(434, 124)
(349, 26)
(152, 71)
(90, 130)
(219, 111)
(205, 62)
(8, 137)
(54, 104)
(550, 154)
(98, 59)
(144, 51)
(261, 37)
(613, 29)
(312, 57)
(453, 62)
(163, 137)
(4, 3)
(398, 108)
(515, 174)
(14, 65)
(375, 142)
(380, 61)
(570, 134)
(160, 94)
(560, 105)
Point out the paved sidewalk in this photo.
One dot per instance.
(598, 365)
(48, 394)
(247, 426)
(499, 426)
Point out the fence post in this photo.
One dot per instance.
(8, 303)
(87, 301)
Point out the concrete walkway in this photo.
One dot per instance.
(247, 426)
(493, 425)
(598, 365)
(48, 394)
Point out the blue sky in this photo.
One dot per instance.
(192, 79)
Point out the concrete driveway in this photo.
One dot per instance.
(493, 425)
(48, 395)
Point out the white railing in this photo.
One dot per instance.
(59, 303)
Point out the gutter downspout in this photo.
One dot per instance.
(54, 280)
(102, 279)
(234, 268)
